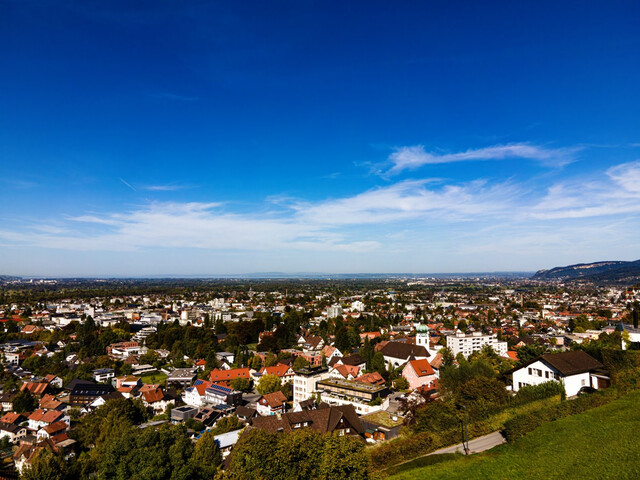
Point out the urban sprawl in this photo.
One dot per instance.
(228, 379)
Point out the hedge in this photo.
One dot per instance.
(522, 424)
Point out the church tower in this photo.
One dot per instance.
(422, 334)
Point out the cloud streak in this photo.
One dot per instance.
(410, 158)
(405, 218)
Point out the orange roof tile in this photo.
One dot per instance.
(421, 367)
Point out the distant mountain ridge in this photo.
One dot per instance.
(598, 272)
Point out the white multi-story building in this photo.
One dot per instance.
(468, 344)
(305, 380)
(334, 311)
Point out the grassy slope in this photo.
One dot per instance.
(603, 443)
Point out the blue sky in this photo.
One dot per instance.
(204, 138)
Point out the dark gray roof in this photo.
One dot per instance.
(404, 350)
(571, 363)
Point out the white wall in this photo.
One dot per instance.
(572, 384)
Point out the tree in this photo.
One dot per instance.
(378, 364)
(227, 424)
(343, 342)
(287, 390)
(302, 454)
(401, 383)
(206, 455)
(255, 363)
(300, 362)
(241, 384)
(270, 360)
(46, 466)
(24, 402)
(268, 384)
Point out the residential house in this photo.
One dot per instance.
(354, 360)
(41, 418)
(50, 402)
(418, 373)
(12, 431)
(87, 392)
(101, 400)
(51, 430)
(195, 396)
(216, 394)
(245, 413)
(374, 378)
(341, 419)
(345, 372)
(208, 416)
(6, 401)
(574, 369)
(27, 451)
(13, 418)
(103, 375)
(157, 399)
(226, 441)
(272, 403)
(37, 389)
(53, 381)
(310, 342)
(225, 376)
(329, 352)
(284, 372)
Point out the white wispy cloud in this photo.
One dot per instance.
(412, 199)
(166, 188)
(187, 225)
(469, 218)
(617, 192)
(412, 157)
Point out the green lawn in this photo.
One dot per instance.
(154, 378)
(603, 443)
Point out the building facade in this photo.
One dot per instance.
(468, 344)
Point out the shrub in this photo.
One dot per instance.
(527, 422)
(531, 393)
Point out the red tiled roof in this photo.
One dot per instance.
(55, 427)
(421, 367)
(280, 370)
(11, 417)
(153, 396)
(373, 378)
(274, 400)
(49, 416)
(225, 375)
(36, 388)
(202, 386)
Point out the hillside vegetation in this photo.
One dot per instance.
(602, 443)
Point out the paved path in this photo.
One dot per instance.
(476, 445)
